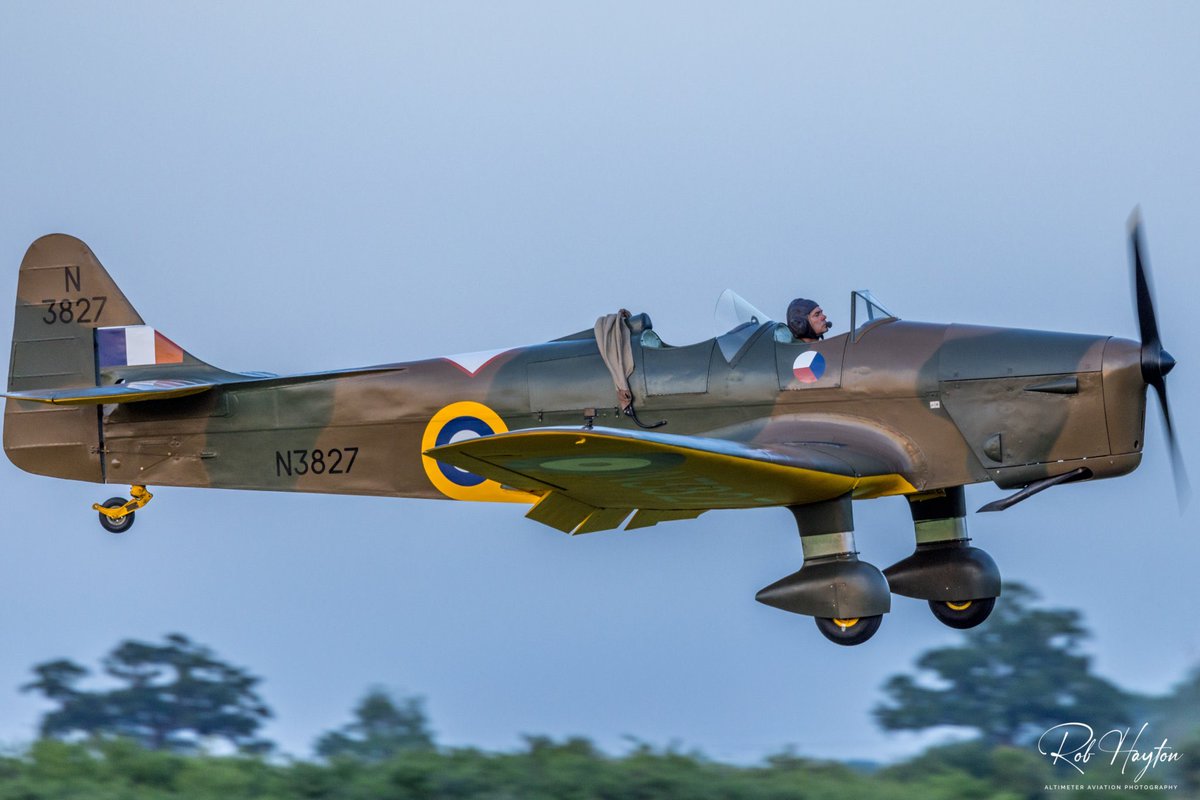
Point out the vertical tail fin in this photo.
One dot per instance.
(63, 296)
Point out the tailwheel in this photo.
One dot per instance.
(849, 631)
(118, 524)
(116, 513)
(962, 614)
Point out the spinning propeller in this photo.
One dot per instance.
(1156, 362)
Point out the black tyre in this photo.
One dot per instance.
(116, 525)
(849, 632)
(964, 614)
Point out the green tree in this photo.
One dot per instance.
(381, 729)
(1014, 677)
(171, 696)
(1174, 714)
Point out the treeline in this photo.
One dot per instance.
(119, 769)
(168, 707)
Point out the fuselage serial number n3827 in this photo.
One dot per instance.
(334, 461)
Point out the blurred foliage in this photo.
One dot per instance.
(573, 769)
(382, 727)
(1176, 714)
(1015, 677)
(172, 696)
(1011, 679)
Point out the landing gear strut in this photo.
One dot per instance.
(960, 582)
(116, 513)
(847, 597)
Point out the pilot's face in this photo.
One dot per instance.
(818, 322)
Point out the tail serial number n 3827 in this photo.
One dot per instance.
(610, 425)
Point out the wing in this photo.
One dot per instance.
(591, 480)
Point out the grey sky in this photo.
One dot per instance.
(292, 188)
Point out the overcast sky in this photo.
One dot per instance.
(293, 188)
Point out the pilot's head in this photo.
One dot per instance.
(806, 320)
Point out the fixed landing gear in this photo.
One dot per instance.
(116, 513)
(960, 582)
(964, 615)
(849, 631)
(847, 597)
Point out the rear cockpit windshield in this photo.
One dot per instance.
(735, 320)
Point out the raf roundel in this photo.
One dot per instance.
(454, 423)
(809, 366)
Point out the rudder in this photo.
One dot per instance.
(63, 295)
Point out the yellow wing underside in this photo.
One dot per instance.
(592, 480)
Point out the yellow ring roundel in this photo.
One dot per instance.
(465, 419)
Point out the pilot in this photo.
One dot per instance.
(806, 320)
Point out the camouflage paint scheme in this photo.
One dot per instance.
(899, 408)
(752, 418)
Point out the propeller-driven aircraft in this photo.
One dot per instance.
(611, 425)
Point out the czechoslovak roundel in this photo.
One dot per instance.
(809, 366)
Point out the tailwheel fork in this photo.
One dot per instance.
(116, 513)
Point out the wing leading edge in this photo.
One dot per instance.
(592, 480)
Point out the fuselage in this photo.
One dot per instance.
(962, 404)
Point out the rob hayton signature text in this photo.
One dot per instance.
(1075, 743)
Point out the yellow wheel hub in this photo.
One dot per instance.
(963, 606)
(845, 623)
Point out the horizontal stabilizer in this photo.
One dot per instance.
(137, 391)
(170, 388)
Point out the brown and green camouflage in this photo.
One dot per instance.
(900, 407)
(752, 418)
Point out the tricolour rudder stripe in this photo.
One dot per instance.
(135, 346)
